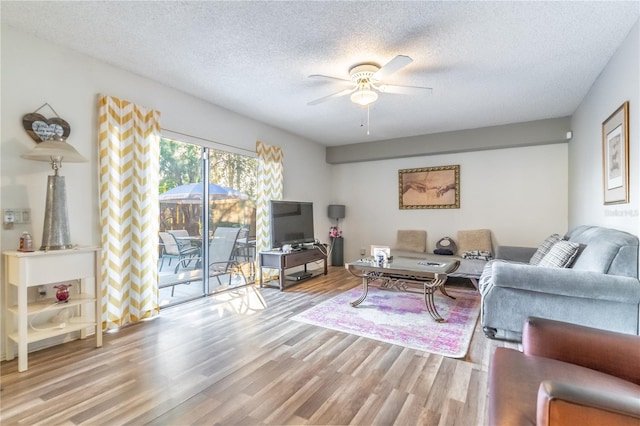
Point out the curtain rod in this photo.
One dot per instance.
(209, 140)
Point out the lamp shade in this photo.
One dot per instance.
(54, 150)
(336, 211)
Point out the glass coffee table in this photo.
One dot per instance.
(405, 274)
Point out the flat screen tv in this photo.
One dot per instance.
(291, 223)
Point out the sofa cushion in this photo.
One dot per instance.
(608, 251)
(561, 255)
(544, 248)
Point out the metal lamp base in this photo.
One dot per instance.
(55, 233)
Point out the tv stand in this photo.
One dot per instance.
(281, 261)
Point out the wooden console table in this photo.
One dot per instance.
(39, 268)
(281, 261)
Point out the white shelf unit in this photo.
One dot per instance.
(24, 270)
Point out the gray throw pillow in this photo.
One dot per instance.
(561, 255)
(544, 248)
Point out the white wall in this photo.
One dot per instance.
(35, 71)
(520, 194)
(618, 82)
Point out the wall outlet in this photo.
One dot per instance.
(363, 251)
(42, 291)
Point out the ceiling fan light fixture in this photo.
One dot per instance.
(364, 97)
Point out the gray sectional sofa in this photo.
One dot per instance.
(600, 288)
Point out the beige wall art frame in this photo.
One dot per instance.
(615, 156)
(429, 188)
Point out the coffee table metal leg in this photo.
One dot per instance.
(430, 288)
(365, 290)
(443, 291)
(431, 306)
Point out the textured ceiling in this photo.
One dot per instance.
(489, 63)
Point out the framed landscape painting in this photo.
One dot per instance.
(429, 188)
(615, 156)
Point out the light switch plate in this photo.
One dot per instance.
(26, 216)
(9, 216)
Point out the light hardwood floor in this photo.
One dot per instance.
(237, 359)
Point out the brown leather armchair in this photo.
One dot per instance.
(567, 374)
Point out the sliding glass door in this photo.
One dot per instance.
(207, 221)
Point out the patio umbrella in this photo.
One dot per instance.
(191, 193)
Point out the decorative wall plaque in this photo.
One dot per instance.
(42, 129)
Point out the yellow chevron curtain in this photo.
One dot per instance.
(270, 187)
(129, 144)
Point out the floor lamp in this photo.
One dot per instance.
(55, 233)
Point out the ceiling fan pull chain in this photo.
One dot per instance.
(368, 121)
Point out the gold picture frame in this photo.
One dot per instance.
(615, 156)
(429, 188)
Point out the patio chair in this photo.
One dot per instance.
(222, 251)
(242, 248)
(179, 233)
(245, 250)
(164, 254)
(185, 253)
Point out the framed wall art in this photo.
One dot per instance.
(615, 156)
(429, 188)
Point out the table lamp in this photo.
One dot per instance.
(55, 233)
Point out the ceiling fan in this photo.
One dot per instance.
(367, 79)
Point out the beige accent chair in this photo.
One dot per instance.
(472, 240)
(477, 239)
(413, 241)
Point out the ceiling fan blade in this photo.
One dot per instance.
(328, 77)
(391, 67)
(401, 90)
(333, 95)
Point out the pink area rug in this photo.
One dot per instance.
(402, 318)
